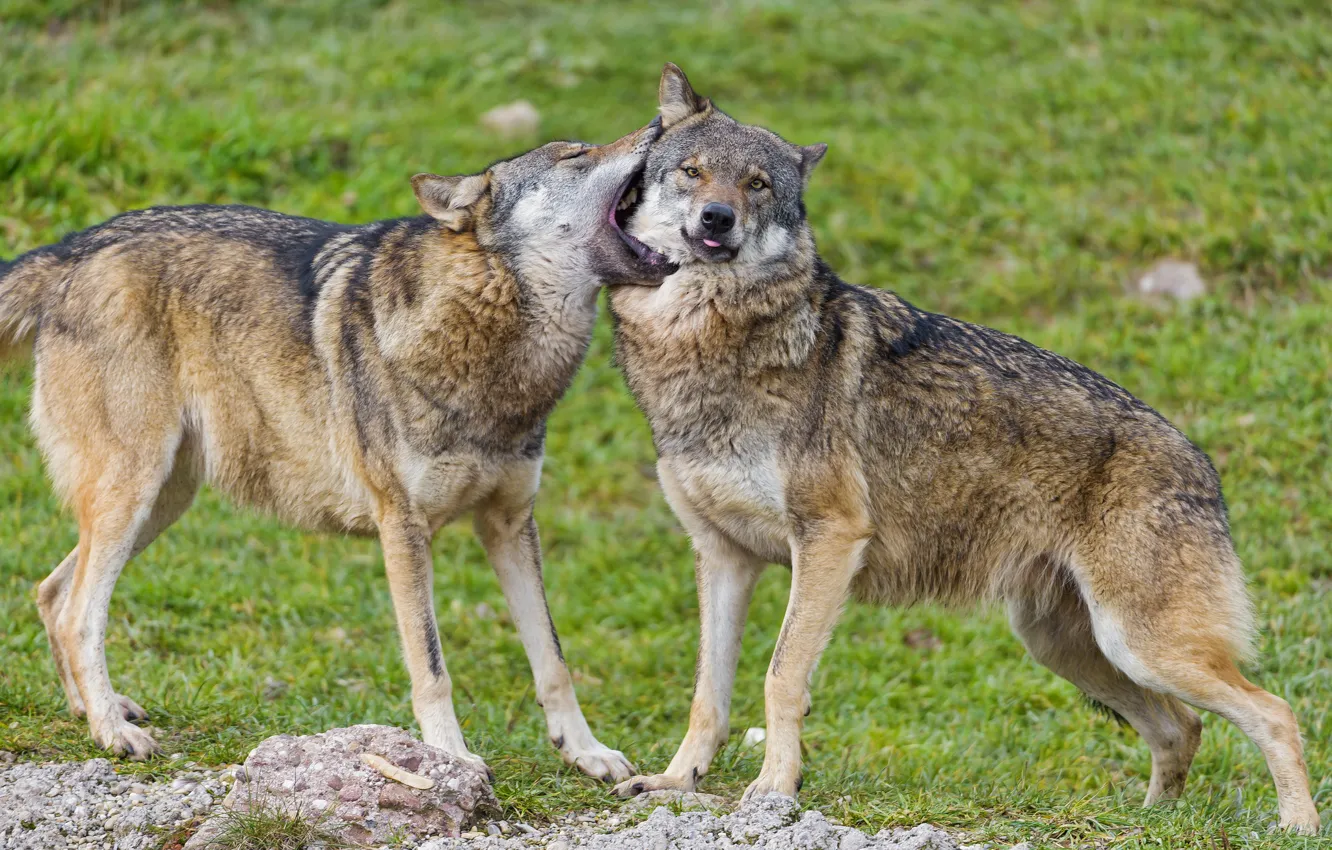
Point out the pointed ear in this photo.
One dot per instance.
(450, 199)
(809, 157)
(676, 97)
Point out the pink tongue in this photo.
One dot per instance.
(711, 244)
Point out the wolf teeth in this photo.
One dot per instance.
(628, 200)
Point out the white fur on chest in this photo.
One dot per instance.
(743, 495)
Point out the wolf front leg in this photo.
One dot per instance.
(509, 533)
(824, 560)
(725, 576)
(405, 537)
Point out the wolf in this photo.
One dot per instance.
(377, 379)
(893, 456)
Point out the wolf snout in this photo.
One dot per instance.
(717, 219)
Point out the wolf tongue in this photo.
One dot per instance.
(711, 244)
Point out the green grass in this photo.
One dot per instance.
(268, 828)
(1011, 163)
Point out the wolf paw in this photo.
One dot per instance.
(1305, 823)
(765, 786)
(129, 709)
(636, 785)
(125, 739)
(600, 762)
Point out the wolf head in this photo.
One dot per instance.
(551, 212)
(718, 191)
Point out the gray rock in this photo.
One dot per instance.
(853, 840)
(324, 773)
(687, 801)
(1173, 278)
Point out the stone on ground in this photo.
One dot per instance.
(1174, 279)
(685, 801)
(324, 777)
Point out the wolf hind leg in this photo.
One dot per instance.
(1058, 634)
(51, 595)
(1181, 635)
(172, 501)
(107, 416)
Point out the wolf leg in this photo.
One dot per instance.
(51, 595)
(111, 519)
(109, 427)
(1184, 641)
(823, 563)
(1059, 636)
(509, 533)
(405, 538)
(726, 577)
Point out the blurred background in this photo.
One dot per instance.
(1027, 165)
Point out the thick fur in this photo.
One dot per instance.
(896, 456)
(385, 379)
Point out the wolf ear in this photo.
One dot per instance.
(450, 199)
(676, 96)
(810, 155)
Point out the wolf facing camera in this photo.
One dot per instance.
(894, 456)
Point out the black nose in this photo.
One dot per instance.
(718, 218)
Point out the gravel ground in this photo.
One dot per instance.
(86, 804)
(772, 823)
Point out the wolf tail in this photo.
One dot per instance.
(22, 282)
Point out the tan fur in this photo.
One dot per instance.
(897, 456)
(380, 380)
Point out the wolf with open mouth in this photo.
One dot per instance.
(896, 456)
(383, 379)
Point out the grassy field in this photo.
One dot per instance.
(1012, 163)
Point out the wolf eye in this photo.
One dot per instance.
(757, 184)
(573, 154)
(690, 171)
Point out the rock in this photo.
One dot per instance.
(300, 775)
(853, 840)
(754, 736)
(1174, 279)
(685, 801)
(183, 785)
(513, 120)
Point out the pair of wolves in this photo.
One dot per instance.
(391, 377)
